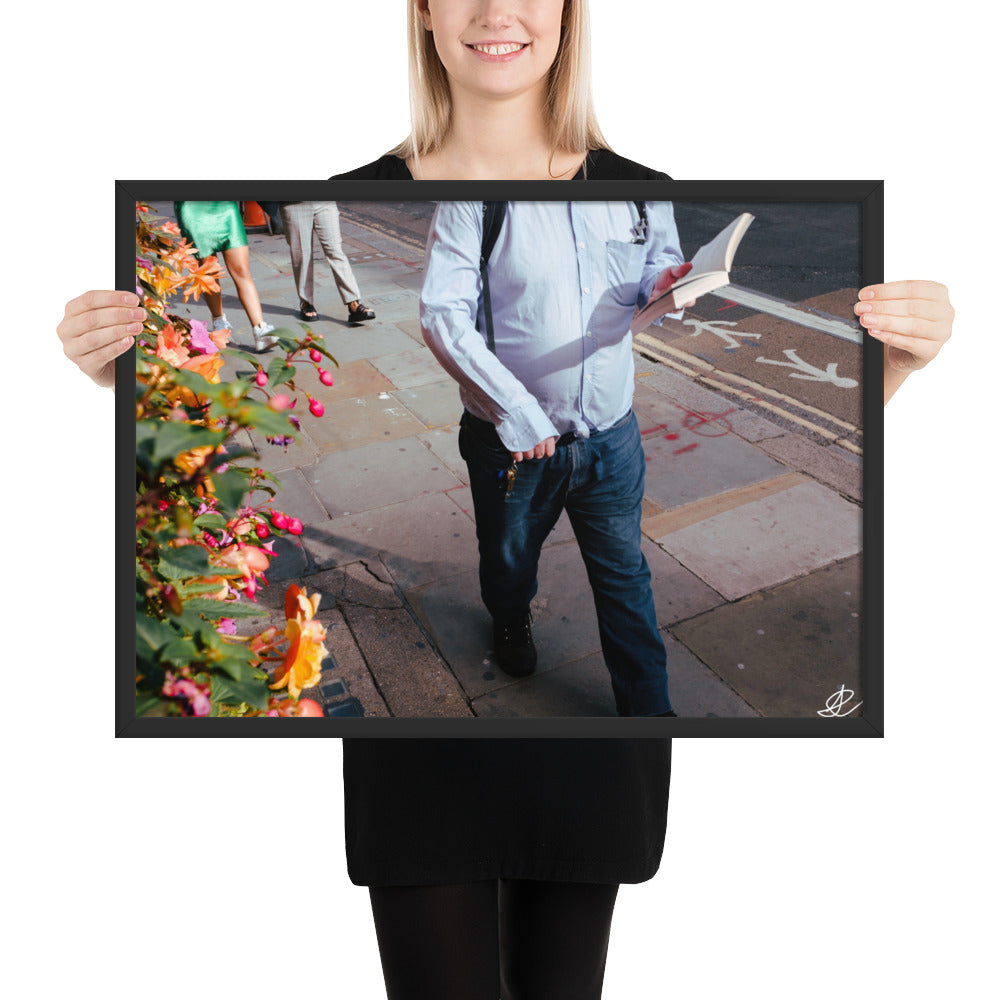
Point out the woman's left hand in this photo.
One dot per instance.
(912, 318)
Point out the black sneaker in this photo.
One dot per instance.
(359, 314)
(513, 646)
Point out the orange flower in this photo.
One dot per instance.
(219, 337)
(202, 279)
(170, 346)
(191, 461)
(301, 668)
(206, 365)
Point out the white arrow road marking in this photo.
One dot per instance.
(810, 372)
(705, 326)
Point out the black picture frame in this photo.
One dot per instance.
(866, 195)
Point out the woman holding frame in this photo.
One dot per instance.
(444, 831)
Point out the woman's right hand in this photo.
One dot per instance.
(97, 328)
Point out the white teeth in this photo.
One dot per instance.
(499, 50)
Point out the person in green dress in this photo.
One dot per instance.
(215, 227)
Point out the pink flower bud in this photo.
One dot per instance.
(262, 530)
(278, 402)
(315, 356)
(295, 526)
(279, 520)
(325, 377)
(315, 407)
(261, 378)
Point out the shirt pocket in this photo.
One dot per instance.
(625, 264)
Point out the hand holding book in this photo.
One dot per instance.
(667, 278)
(707, 271)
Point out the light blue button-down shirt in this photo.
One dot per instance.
(565, 278)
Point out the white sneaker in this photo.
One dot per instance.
(221, 323)
(261, 341)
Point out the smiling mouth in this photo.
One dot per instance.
(501, 49)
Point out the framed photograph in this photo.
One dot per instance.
(372, 421)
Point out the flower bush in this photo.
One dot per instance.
(203, 550)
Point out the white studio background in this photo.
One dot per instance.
(792, 868)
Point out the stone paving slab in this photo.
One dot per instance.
(419, 540)
(768, 541)
(373, 340)
(677, 592)
(280, 458)
(683, 465)
(351, 667)
(442, 442)
(698, 692)
(413, 329)
(350, 381)
(564, 629)
(411, 678)
(353, 423)
(298, 498)
(436, 404)
(413, 280)
(828, 464)
(408, 369)
(376, 475)
(290, 562)
(786, 650)
(578, 689)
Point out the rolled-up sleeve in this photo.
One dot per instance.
(449, 306)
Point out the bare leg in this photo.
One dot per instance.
(238, 265)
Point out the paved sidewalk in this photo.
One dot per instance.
(752, 520)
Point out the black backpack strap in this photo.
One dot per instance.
(493, 216)
(643, 226)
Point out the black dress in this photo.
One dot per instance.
(436, 811)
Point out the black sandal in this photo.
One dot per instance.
(307, 311)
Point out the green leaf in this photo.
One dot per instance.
(230, 488)
(232, 692)
(183, 561)
(171, 438)
(210, 520)
(153, 632)
(238, 664)
(223, 609)
(146, 703)
(279, 372)
(182, 652)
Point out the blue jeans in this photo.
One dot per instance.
(599, 482)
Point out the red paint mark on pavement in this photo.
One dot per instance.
(653, 430)
(671, 437)
(690, 447)
(728, 305)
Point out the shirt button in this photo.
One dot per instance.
(590, 333)
(582, 246)
(586, 291)
(588, 378)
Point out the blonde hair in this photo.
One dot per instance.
(570, 106)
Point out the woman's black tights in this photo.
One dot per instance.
(515, 939)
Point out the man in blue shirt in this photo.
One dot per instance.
(548, 422)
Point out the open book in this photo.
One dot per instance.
(710, 270)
